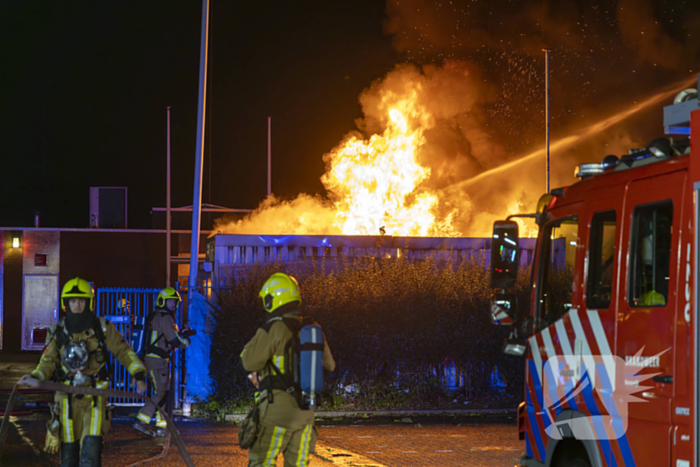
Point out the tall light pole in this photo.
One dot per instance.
(269, 156)
(167, 214)
(199, 156)
(546, 111)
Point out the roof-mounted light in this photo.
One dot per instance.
(660, 147)
(610, 162)
(685, 95)
(586, 170)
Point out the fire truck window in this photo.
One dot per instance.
(558, 257)
(651, 254)
(601, 259)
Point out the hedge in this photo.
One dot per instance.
(391, 325)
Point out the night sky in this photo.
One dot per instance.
(84, 86)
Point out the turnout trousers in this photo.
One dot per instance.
(82, 416)
(159, 377)
(295, 445)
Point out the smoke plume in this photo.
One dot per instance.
(471, 93)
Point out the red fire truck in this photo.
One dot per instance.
(610, 339)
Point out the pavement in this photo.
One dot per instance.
(451, 440)
(10, 373)
(379, 439)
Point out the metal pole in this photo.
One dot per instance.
(269, 156)
(167, 214)
(546, 114)
(199, 156)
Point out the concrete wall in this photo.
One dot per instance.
(111, 259)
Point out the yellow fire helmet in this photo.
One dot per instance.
(78, 288)
(279, 290)
(167, 294)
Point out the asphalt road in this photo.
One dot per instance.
(450, 440)
(426, 441)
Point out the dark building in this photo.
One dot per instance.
(35, 262)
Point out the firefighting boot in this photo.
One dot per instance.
(91, 454)
(70, 454)
(143, 428)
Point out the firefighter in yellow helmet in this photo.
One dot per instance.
(285, 427)
(77, 353)
(162, 338)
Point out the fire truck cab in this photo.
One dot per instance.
(610, 338)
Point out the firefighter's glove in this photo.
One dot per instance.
(53, 443)
(140, 378)
(253, 378)
(24, 379)
(187, 332)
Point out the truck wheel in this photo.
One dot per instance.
(576, 462)
(571, 453)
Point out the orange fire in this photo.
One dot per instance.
(424, 165)
(397, 178)
(375, 183)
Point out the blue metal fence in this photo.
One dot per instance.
(121, 306)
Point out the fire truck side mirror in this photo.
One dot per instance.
(505, 254)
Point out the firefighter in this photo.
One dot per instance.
(162, 337)
(77, 354)
(285, 427)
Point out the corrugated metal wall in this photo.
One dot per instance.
(228, 253)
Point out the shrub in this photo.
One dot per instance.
(390, 324)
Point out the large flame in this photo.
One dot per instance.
(375, 182)
(426, 164)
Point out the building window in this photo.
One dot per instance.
(557, 263)
(601, 260)
(652, 228)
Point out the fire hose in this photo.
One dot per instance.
(89, 391)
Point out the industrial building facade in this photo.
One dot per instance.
(228, 254)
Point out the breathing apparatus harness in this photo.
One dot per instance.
(67, 371)
(288, 378)
(152, 347)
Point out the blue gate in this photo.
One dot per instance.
(121, 306)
